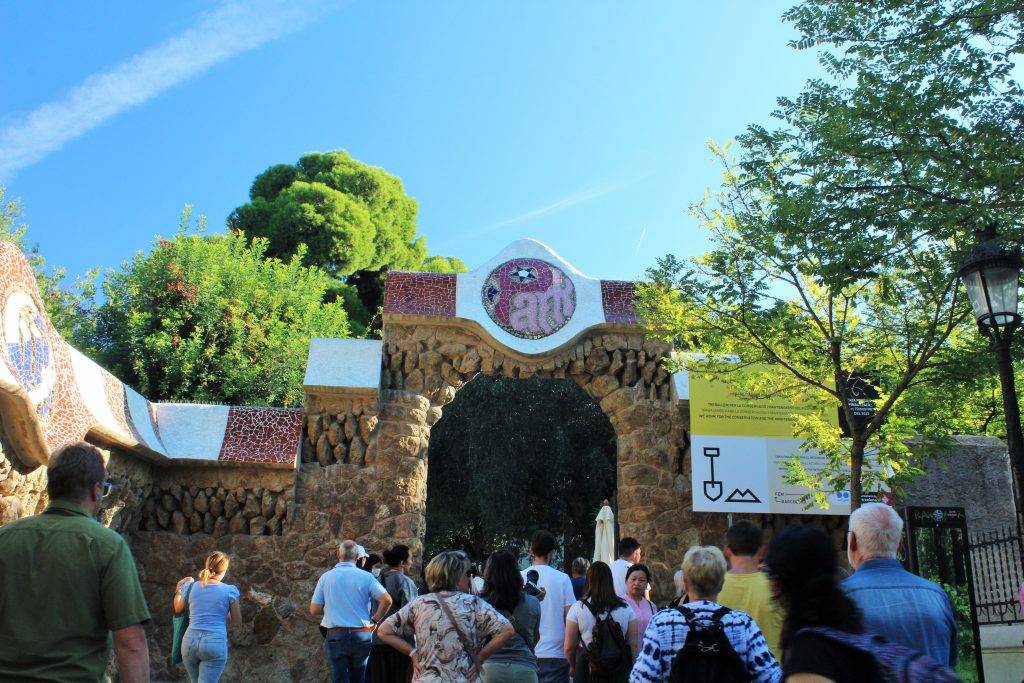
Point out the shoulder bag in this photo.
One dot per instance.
(179, 623)
(466, 645)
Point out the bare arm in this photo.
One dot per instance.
(572, 641)
(178, 602)
(235, 613)
(132, 654)
(316, 610)
(808, 678)
(633, 637)
(386, 634)
(497, 642)
(383, 605)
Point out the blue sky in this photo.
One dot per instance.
(580, 124)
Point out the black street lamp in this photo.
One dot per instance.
(991, 276)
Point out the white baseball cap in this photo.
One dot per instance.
(361, 552)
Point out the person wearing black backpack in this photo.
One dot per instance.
(702, 641)
(606, 625)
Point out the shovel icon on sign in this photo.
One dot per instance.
(712, 487)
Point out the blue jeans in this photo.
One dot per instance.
(552, 670)
(347, 655)
(205, 654)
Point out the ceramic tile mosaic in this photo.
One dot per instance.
(420, 294)
(618, 298)
(529, 298)
(266, 435)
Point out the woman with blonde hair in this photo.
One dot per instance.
(455, 631)
(211, 605)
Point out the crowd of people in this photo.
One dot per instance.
(745, 612)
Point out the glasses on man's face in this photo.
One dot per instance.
(108, 486)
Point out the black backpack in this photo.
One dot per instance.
(707, 656)
(608, 653)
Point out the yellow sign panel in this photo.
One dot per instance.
(717, 409)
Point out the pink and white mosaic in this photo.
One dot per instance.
(264, 435)
(529, 298)
(420, 294)
(619, 300)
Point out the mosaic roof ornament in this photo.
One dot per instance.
(529, 298)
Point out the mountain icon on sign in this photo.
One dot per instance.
(744, 496)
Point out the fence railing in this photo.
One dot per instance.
(997, 562)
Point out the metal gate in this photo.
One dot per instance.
(939, 551)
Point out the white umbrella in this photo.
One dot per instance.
(604, 535)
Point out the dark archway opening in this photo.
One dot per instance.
(512, 456)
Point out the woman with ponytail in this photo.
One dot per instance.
(211, 605)
(803, 568)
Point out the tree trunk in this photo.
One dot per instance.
(856, 465)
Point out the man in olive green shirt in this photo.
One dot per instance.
(746, 586)
(68, 582)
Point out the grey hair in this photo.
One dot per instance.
(878, 529)
(677, 579)
(348, 551)
(705, 567)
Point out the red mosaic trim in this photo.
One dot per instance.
(618, 298)
(420, 294)
(266, 435)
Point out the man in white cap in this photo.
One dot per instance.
(361, 556)
(342, 597)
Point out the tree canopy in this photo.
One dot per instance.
(209, 318)
(838, 232)
(350, 216)
(511, 456)
(353, 220)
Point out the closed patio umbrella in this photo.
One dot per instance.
(604, 535)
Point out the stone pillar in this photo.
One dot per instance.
(400, 460)
(654, 498)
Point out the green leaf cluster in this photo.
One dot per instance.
(209, 318)
(838, 231)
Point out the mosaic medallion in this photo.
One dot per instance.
(529, 298)
(29, 353)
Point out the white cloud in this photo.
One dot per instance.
(219, 34)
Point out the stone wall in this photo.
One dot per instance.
(338, 429)
(23, 489)
(219, 501)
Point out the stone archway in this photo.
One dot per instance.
(370, 426)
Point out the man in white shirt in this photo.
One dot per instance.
(553, 667)
(629, 554)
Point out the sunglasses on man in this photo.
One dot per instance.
(108, 486)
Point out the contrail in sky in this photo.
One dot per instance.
(558, 205)
(218, 35)
(643, 234)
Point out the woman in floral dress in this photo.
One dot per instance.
(447, 651)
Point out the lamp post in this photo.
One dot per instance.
(991, 276)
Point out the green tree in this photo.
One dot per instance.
(353, 220)
(209, 318)
(510, 456)
(837, 234)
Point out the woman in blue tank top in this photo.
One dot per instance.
(211, 605)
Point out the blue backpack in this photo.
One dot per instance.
(896, 663)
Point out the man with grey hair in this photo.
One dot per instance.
(69, 583)
(342, 597)
(901, 606)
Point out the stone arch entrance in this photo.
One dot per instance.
(441, 331)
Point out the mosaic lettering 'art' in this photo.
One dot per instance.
(529, 298)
